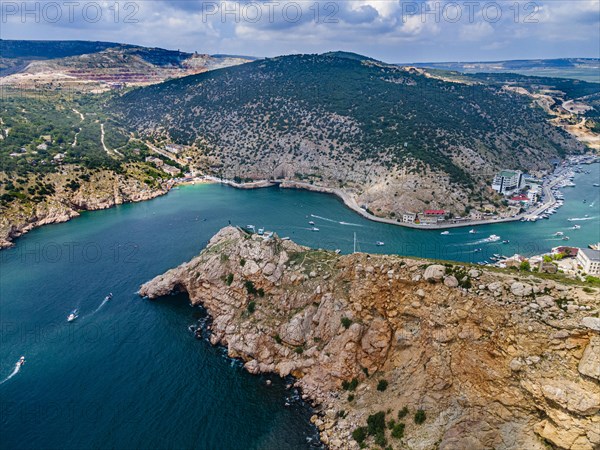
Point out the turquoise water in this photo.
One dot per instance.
(130, 375)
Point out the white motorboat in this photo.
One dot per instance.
(445, 233)
(73, 315)
(380, 244)
(472, 231)
(493, 238)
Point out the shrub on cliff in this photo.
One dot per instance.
(360, 434)
(229, 279)
(398, 431)
(350, 385)
(249, 285)
(402, 413)
(346, 322)
(420, 417)
(376, 423)
(251, 307)
(382, 385)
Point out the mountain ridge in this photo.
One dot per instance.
(341, 119)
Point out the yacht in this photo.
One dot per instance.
(250, 228)
(493, 238)
(74, 315)
(311, 223)
(261, 231)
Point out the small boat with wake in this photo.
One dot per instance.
(492, 238)
(108, 297)
(314, 229)
(445, 233)
(379, 243)
(21, 361)
(73, 315)
(472, 231)
(311, 223)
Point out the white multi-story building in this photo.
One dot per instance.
(508, 181)
(589, 260)
(409, 217)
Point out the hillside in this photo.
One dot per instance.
(404, 353)
(399, 138)
(97, 66)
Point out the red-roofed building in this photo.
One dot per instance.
(434, 212)
(520, 198)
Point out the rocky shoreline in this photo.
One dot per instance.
(490, 360)
(64, 207)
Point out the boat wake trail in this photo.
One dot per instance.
(335, 221)
(578, 219)
(104, 302)
(14, 372)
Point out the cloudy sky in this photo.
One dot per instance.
(391, 30)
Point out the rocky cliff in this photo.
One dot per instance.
(104, 189)
(451, 357)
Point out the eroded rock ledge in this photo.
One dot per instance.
(495, 360)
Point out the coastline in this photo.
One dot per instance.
(351, 203)
(326, 344)
(66, 213)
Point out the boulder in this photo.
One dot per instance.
(496, 286)
(571, 396)
(520, 289)
(591, 322)
(434, 272)
(545, 301)
(451, 281)
(589, 365)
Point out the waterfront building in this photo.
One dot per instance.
(432, 216)
(590, 260)
(508, 181)
(409, 217)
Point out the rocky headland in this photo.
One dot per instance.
(403, 352)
